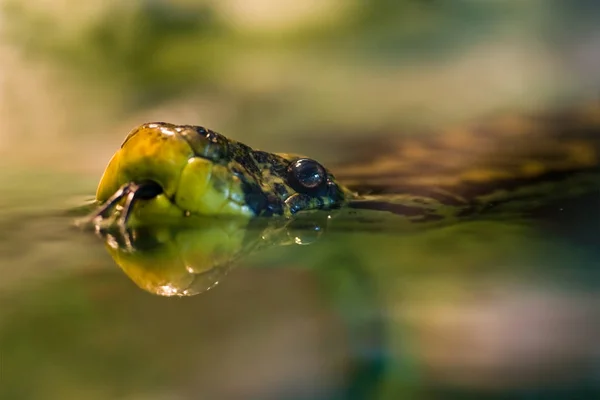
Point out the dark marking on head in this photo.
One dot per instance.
(262, 157)
(261, 203)
(274, 206)
(281, 190)
(276, 164)
(254, 197)
(242, 154)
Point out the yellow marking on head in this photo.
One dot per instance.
(147, 154)
(206, 188)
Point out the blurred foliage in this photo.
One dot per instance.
(378, 65)
(151, 48)
(422, 28)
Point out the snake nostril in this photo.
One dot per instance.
(201, 131)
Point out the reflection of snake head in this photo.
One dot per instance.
(171, 260)
(191, 170)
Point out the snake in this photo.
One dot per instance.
(511, 164)
(163, 171)
(177, 205)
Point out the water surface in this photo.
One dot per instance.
(369, 307)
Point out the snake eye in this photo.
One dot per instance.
(306, 174)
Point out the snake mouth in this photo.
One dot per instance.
(128, 194)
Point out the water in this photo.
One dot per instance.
(368, 307)
(364, 308)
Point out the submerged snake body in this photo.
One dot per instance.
(178, 170)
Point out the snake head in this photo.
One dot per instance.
(181, 170)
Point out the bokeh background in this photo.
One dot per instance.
(76, 76)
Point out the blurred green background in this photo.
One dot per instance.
(76, 76)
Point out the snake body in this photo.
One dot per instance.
(166, 170)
